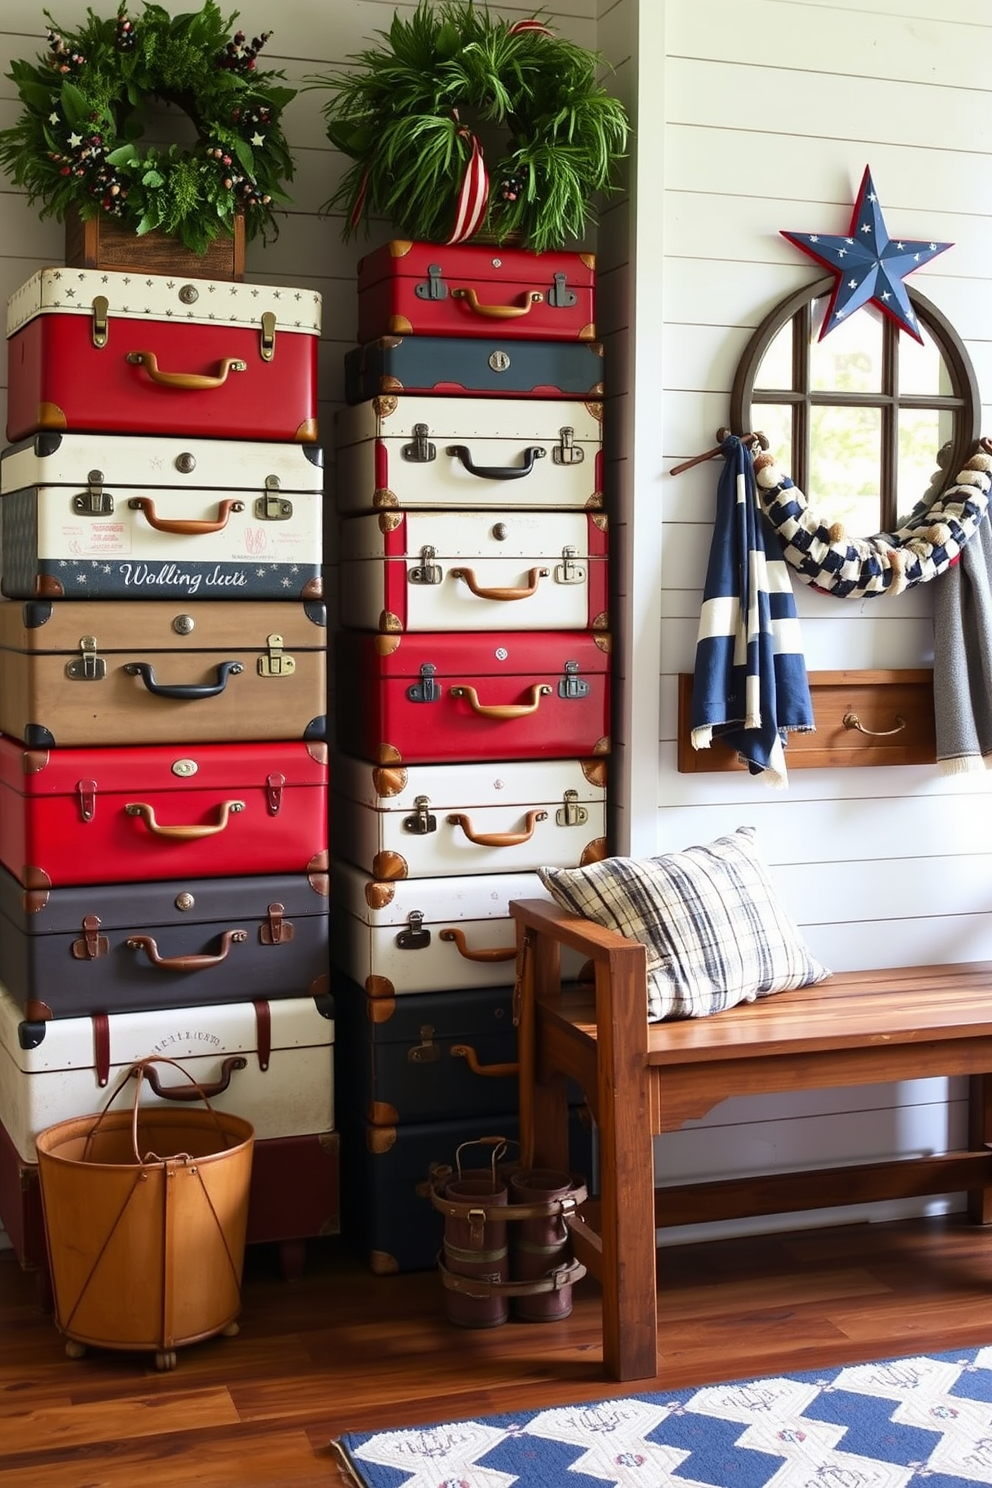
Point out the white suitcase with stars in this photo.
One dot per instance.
(87, 517)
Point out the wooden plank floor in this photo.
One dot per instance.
(341, 1349)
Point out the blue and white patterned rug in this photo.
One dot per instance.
(924, 1422)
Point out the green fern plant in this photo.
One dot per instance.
(409, 114)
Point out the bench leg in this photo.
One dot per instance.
(979, 1139)
(626, 1175)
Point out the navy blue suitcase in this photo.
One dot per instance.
(460, 365)
(425, 1056)
(386, 1213)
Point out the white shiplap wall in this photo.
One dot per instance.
(772, 109)
(752, 115)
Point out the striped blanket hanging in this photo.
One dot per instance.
(750, 687)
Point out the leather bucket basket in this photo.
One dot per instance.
(146, 1250)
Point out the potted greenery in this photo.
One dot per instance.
(412, 112)
(77, 149)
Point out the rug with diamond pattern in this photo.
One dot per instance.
(924, 1422)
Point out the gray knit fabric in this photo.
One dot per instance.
(962, 658)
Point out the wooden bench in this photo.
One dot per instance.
(641, 1079)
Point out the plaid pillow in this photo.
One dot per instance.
(715, 930)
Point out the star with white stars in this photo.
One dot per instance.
(53, 118)
(870, 266)
(75, 140)
(257, 139)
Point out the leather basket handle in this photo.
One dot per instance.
(182, 834)
(531, 297)
(147, 944)
(497, 472)
(190, 382)
(534, 577)
(497, 839)
(494, 953)
(181, 526)
(186, 692)
(501, 710)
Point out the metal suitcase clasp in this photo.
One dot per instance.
(422, 821)
(420, 451)
(94, 501)
(571, 814)
(427, 571)
(566, 451)
(433, 287)
(572, 685)
(568, 571)
(415, 937)
(88, 667)
(274, 662)
(272, 507)
(426, 690)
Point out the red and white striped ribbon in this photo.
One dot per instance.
(473, 196)
(519, 26)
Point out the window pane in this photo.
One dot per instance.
(922, 431)
(849, 360)
(846, 467)
(774, 420)
(922, 370)
(775, 370)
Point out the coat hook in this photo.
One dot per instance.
(721, 434)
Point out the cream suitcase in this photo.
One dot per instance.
(474, 570)
(87, 517)
(432, 821)
(469, 452)
(429, 934)
(274, 1060)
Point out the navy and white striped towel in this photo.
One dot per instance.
(750, 686)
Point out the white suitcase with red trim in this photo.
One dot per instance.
(414, 451)
(474, 570)
(274, 1060)
(430, 821)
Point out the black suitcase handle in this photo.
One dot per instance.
(497, 472)
(185, 691)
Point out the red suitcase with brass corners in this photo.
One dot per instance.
(433, 289)
(423, 699)
(103, 352)
(79, 816)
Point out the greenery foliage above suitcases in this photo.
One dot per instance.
(412, 112)
(77, 143)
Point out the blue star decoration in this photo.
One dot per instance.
(870, 266)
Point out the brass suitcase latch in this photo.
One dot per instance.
(272, 507)
(274, 662)
(88, 667)
(571, 814)
(422, 821)
(94, 501)
(427, 1051)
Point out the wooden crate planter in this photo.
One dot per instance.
(105, 243)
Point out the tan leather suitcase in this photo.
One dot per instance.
(152, 671)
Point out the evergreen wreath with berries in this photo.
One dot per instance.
(411, 112)
(76, 142)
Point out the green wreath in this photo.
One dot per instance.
(411, 112)
(75, 144)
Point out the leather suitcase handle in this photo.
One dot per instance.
(534, 577)
(186, 692)
(498, 312)
(497, 472)
(497, 1071)
(182, 834)
(501, 710)
(494, 953)
(194, 1092)
(181, 526)
(191, 382)
(497, 839)
(147, 944)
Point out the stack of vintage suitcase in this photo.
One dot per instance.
(472, 697)
(164, 757)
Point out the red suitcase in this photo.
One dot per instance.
(431, 289)
(129, 354)
(88, 816)
(424, 699)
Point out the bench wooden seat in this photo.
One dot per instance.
(641, 1079)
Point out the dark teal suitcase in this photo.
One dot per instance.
(457, 365)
